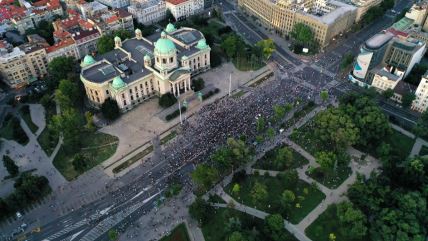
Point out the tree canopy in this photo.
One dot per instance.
(267, 46)
(106, 42)
(110, 109)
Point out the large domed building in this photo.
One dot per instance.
(142, 67)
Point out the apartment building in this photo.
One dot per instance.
(36, 12)
(115, 3)
(148, 11)
(64, 48)
(22, 65)
(109, 21)
(182, 9)
(326, 19)
(362, 6)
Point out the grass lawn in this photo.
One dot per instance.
(275, 188)
(98, 147)
(215, 230)
(26, 116)
(48, 140)
(168, 137)
(179, 233)
(331, 181)
(325, 224)
(133, 159)
(12, 130)
(401, 145)
(423, 151)
(266, 162)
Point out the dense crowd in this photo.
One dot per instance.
(232, 117)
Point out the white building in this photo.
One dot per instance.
(148, 11)
(115, 3)
(421, 102)
(182, 9)
(89, 9)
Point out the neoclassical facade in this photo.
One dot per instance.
(143, 67)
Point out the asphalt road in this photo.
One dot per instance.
(140, 195)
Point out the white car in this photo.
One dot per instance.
(281, 130)
(18, 215)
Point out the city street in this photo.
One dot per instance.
(122, 201)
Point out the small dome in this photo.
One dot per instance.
(184, 57)
(164, 46)
(170, 28)
(202, 44)
(88, 60)
(117, 38)
(118, 83)
(137, 30)
(147, 58)
(163, 34)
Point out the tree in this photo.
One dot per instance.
(279, 112)
(198, 84)
(267, 46)
(347, 60)
(259, 192)
(10, 166)
(233, 224)
(387, 94)
(335, 128)
(200, 210)
(236, 236)
(324, 95)
(421, 127)
(106, 42)
(408, 99)
(353, 220)
(327, 160)
(283, 158)
(260, 124)
(287, 199)
(67, 94)
(239, 151)
(167, 100)
(204, 176)
(169, 17)
(274, 227)
(270, 133)
(80, 163)
(372, 123)
(45, 30)
(113, 235)
(289, 177)
(68, 123)
(236, 189)
(110, 109)
(302, 33)
(230, 45)
(89, 121)
(60, 67)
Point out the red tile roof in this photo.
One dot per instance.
(397, 32)
(176, 2)
(112, 19)
(64, 43)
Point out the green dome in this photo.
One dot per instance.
(184, 57)
(88, 60)
(202, 44)
(118, 83)
(164, 46)
(117, 38)
(147, 58)
(137, 30)
(170, 28)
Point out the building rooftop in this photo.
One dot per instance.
(379, 40)
(133, 69)
(403, 88)
(403, 24)
(176, 2)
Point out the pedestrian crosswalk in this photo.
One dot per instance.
(67, 229)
